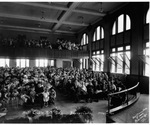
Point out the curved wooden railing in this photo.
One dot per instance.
(129, 95)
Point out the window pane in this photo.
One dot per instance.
(148, 17)
(128, 22)
(127, 61)
(98, 52)
(113, 50)
(119, 63)
(120, 48)
(52, 62)
(148, 44)
(2, 62)
(97, 64)
(114, 29)
(80, 63)
(112, 63)
(93, 66)
(120, 23)
(37, 63)
(41, 63)
(87, 64)
(18, 62)
(22, 63)
(84, 39)
(7, 62)
(27, 62)
(94, 36)
(87, 39)
(102, 64)
(45, 63)
(127, 47)
(98, 33)
(102, 33)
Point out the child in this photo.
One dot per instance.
(46, 97)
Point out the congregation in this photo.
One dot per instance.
(61, 44)
(37, 86)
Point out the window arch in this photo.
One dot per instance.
(148, 17)
(98, 34)
(122, 23)
(84, 39)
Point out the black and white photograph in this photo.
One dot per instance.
(74, 62)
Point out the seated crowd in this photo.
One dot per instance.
(85, 84)
(32, 86)
(42, 43)
(26, 87)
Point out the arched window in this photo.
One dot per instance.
(148, 17)
(128, 22)
(98, 34)
(121, 24)
(84, 39)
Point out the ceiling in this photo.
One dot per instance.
(56, 17)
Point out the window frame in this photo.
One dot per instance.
(84, 39)
(6, 62)
(98, 54)
(101, 33)
(114, 51)
(21, 61)
(124, 24)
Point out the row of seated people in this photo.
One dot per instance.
(42, 43)
(84, 84)
(25, 87)
(31, 86)
(66, 45)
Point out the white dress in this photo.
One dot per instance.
(45, 96)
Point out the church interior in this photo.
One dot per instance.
(74, 62)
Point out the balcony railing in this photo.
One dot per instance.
(41, 52)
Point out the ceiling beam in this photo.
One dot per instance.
(38, 19)
(33, 29)
(27, 18)
(90, 12)
(75, 24)
(64, 15)
(62, 31)
(52, 6)
(26, 28)
(23, 30)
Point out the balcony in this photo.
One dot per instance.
(41, 53)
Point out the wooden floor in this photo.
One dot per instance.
(136, 113)
(99, 109)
